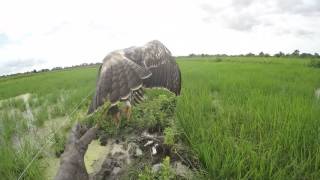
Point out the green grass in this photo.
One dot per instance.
(13, 161)
(53, 95)
(245, 118)
(49, 82)
(16, 152)
(252, 119)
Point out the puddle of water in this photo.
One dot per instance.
(52, 165)
(95, 156)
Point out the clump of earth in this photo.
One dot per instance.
(129, 154)
(140, 146)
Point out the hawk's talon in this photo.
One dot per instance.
(128, 112)
(116, 119)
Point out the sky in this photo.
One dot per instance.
(37, 34)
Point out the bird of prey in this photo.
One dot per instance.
(124, 73)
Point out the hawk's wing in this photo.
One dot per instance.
(118, 76)
(165, 71)
(123, 72)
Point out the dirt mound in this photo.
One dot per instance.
(134, 152)
(148, 146)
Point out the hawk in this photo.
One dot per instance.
(124, 73)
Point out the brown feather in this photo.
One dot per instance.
(124, 72)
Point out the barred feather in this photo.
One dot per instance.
(124, 72)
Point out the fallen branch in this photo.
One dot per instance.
(72, 165)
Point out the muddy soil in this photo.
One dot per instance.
(132, 152)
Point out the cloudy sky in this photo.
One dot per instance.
(37, 34)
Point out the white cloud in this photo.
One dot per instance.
(63, 33)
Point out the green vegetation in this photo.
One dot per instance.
(22, 130)
(244, 117)
(315, 63)
(164, 173)
(80, 79)
(16, 152)
(252, 118)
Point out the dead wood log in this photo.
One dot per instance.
(72, 165)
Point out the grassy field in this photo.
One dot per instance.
(245, 118)
(252, 118)
(52, 96)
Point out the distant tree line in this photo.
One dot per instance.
(53, 69)
(295, 53)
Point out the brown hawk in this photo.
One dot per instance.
(125, 72)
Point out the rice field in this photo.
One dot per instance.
(244, 117)
(250, 118)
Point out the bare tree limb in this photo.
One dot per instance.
(72, 165)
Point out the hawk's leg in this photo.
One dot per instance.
(127, 109)
(116, 118)
(128, 112)
(115, 113)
